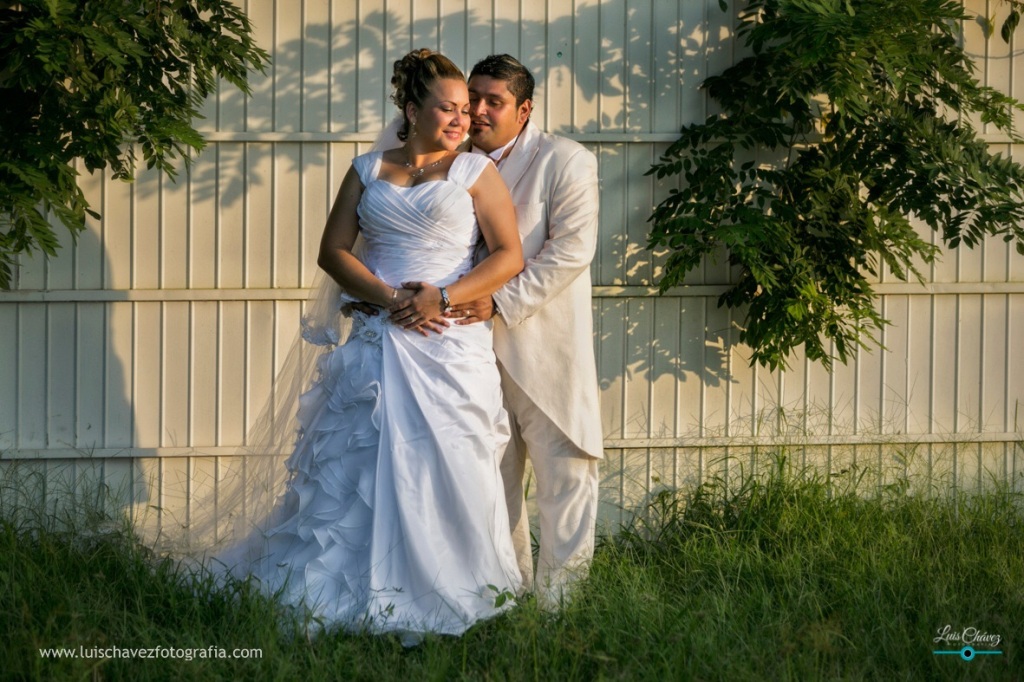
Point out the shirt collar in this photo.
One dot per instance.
(496, 154)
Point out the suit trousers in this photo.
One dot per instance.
(566, 485)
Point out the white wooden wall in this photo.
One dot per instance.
(139, 356)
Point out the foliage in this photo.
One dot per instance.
(848, 120)
(782, 574)
(98, 81)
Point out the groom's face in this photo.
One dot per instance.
(494, 117)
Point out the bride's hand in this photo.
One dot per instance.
(417, 307)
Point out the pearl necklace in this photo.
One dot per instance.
(417, 172)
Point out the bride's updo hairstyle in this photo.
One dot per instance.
(414, 74)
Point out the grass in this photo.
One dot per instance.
(787, 575)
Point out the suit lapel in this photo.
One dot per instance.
(521, 157)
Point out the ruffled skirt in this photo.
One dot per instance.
(394, 519)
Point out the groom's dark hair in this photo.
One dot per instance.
(507, 68)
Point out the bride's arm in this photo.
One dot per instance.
(496, 216)
(336, 257)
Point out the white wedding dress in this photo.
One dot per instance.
(394, 519)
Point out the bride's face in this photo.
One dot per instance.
(443, 119)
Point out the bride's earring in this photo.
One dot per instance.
(412, 131)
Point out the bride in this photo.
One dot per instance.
(394, 519)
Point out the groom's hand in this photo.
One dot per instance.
(364, 308)
(480, 310)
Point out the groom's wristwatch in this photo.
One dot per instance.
(446, 303)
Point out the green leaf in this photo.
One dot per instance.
(810, 225)
(1009, 26)
(92, 81)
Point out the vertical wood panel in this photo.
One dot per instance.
(638, 200)
(203, 185)
(32, 381)
(635, 481)
(945, 390)
(286, 214)
(174, 230)
(203, 484)
(88, 252)
(869, 399)
(1015, 366)
(559, 95)
(920, 355)
(694, 372)
(532, 29)
(793, 399)
(175, 392)
(639, 61)
(639, 338)
(60, 374)
(257, 112)
(506, 27)
(289, 102)
(844, 392)
(996, 349)
(719, 52)
(453, 36)
(611, 353)
(145, 511)
(9, 371)
(586, 70)
(715, 412)
(117, 234)
(374, 73)
(975, 45)
(742, 397)
(31, 272)
(343, 104)
(204, 373)
(612, 21)
(665, 376)
(233, 183)
(90, 369)
(146, 233)
(820, 400)
(613, 240)
(425, 24)
(260, 369)
(692, 45)
(895, 386)
(148, 374)
(969, 362)
(666, 65)
(297, 241)
(119, 482)
(231, 374)
(175, 486)
(118, 366)
(261, 176)
(481, 36)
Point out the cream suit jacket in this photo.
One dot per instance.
(543, 334)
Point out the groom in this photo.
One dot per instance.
(543, 326)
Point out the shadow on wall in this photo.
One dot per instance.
(317, 84)
(79, 402)
(342, 94)
(337, 74)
